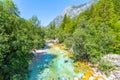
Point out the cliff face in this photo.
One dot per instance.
(72, 11)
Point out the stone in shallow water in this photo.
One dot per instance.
(66, 61)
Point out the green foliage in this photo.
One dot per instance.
(106, 66)
(66, 28)
(116, 6)
(17, 38)
(91, 43)
(94, 32)
(51, 31)
(116, 45)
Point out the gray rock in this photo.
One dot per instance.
(114, 59)
(72, 11)
(114, 75)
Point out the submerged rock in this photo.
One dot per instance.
(66, 61)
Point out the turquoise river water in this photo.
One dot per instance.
(52, 65)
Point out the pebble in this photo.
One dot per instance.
(100, 79)
(96, 74)
(91, 78)
(76, 78)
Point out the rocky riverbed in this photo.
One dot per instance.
(54, 62)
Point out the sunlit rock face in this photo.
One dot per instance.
(75, 10)
(72, 11)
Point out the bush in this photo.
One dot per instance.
(106, 66)
(17, 38)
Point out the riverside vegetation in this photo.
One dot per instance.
(17, 38)
(91, 35)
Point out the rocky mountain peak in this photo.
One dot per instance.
(72, 11)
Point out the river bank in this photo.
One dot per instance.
(54, 62)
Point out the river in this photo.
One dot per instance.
(55, 64)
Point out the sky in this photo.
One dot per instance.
(45, 10)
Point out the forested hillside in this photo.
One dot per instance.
(93, 33)
(17, 39)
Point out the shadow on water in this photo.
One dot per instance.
(47, 47)
(39, 62)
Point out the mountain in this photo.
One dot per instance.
(72, 11)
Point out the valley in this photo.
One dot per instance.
(80, 43)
